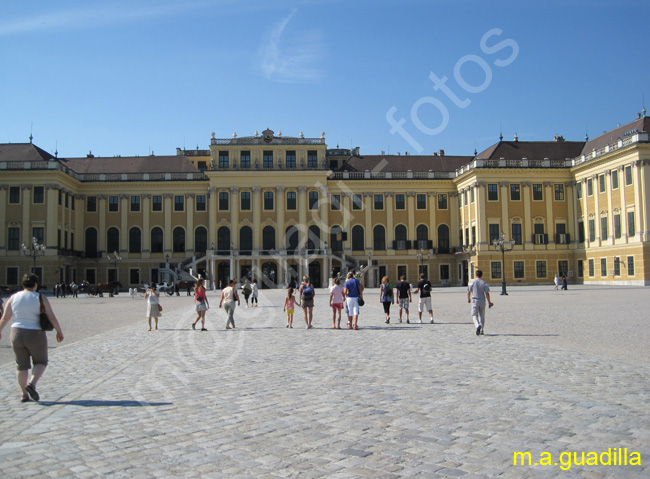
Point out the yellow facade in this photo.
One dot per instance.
(277, 208)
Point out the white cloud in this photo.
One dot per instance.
(92, 17)
(291, 56)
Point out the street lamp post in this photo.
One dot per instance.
(420, 256)
(369, 282)
(504, 246)
(115, 259)
(33, 250)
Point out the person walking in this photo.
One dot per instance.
(337, 298)
(306, 295)
(386, 297)
(404, 297)
(201, 304)
(353, 293)
(424, 288)
(28, 340)
(478, 292)
(289, 306)
(557, 281)
(254, 293)
(247, 290)
(74, 286)
(153, 304)
(228, 297)
(564, 281)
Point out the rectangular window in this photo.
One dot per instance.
(444, 271)
(515, 192)
(473, 235)
(628, 175)
(60, 197)
(201, 204)
(312, 158)
(581, 268)
(379, 202)
(579, 190)
(590, 187)
(113, 204)
(601, 184)
(471, 195)
(592, 230)
(540, 267)
(39, 194)
(581, 231)
(617, 226)
(179, 203)
(224, 160)
(516, 233)
(519, 269)
(14, 195)
(494, 229)
(268, 200)
(291, 200)
(559, 192)
(38, 232)
(465, 198)
(603, 267)
(615, 179)
(267, 159)
(495, 269)
(135, 204)
(421, 201)
(603, 228)
(563, 267)
(335, 202)
(245, 159)
(400, 202)
(401, 271)
(630, 265)
(442, 202)
(617, 266)
(493, 192)
(72, 202)
(592, 268)
(12, 275)
(13, 239)
(291, 159)
(631, 230)
(224, 201)
(245, 203)
(91, 204)
(156, 203)
(538, 192)
(357, 202)
(313, 200)
(67, 200)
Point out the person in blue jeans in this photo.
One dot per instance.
(353, 291)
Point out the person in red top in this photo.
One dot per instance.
(202, 305)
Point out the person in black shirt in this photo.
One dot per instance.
(404, 297)
(424, 288)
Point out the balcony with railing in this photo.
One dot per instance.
(637, 137)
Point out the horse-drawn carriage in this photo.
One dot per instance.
(99, 289)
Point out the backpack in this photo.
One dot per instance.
(308, 292)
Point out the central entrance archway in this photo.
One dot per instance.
(269, 275)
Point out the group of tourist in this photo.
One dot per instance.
(61, 290)
(29, 340)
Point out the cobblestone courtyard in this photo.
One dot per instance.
(556, 372)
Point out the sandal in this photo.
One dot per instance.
(32, 392)
(24, 399)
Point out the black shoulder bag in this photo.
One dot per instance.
(46, 324)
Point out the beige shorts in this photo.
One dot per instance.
(29, 344)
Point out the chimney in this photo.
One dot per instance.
(516, 137)
(441, 152)
(90, 155)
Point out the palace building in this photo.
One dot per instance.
(276, 208)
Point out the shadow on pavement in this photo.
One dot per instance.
(100, 403)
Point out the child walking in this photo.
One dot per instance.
(337, 298)
(289, 307)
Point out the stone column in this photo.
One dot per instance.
(550, 218)
(146, 233)
(4, 189)
(410, 209)
(257, 218)
(167, 207)
(302, 217)
(212, 218)
(280, 204)
(189, 223)
(621, 188)
(124, 224)
(27, 233)
(390, 222)
(101, 229)
(234, 220)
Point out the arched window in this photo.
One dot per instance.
(245, 239)
(443, 239)
(223, 239)
(291, 238)
(400, 238)
(135, 240)
(357, 238)
(336, 238)
(313, 237)
(178, 235)
(268, 238)
(112, 240)
(157, 240)
(379, 238)
(422, 236)
(91, 243)
(200, 240)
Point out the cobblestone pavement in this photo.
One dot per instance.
(398, 400)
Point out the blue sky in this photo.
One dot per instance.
(127, 77)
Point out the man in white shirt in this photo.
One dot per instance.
(477, 293)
